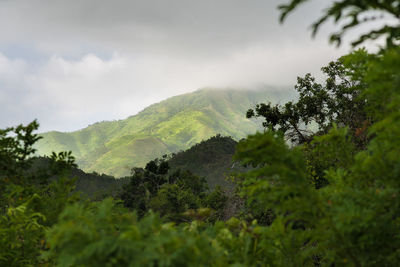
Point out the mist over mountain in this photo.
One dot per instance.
(177, 123)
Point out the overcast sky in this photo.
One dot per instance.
(70, 63)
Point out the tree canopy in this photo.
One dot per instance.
(338, 100)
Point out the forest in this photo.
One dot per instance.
(320, 186)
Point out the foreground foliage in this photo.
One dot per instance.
(352, 14)
(30, 201)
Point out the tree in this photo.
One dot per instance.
(170, 194)
(354, 13)
(29, 200)
(349, 221)
(339, 100)
(16, 146)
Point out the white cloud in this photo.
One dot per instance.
(70, 94)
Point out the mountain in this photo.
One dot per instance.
(177, 123)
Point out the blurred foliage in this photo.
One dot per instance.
(105, 235)
(337, 202)
(351, 14)
(29, 201)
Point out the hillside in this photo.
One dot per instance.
(211, 159)
(114, 147)
(92, 185)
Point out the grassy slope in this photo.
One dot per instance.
(169, 126)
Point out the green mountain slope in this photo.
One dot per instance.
(114, 147)
(211, 159)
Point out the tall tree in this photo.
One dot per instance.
(338, 100)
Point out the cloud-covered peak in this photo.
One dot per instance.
(71, 63)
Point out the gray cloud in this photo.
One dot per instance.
(107, 59)
(158, 26)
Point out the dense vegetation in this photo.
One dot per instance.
(330, 198)
(163, 128)
(177, 196)
(211, 159)
(89, 185)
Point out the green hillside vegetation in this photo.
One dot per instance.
(177, 195)
(211, 159)
(114, 147)
(88, 185)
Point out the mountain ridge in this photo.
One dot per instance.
(174, 124)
